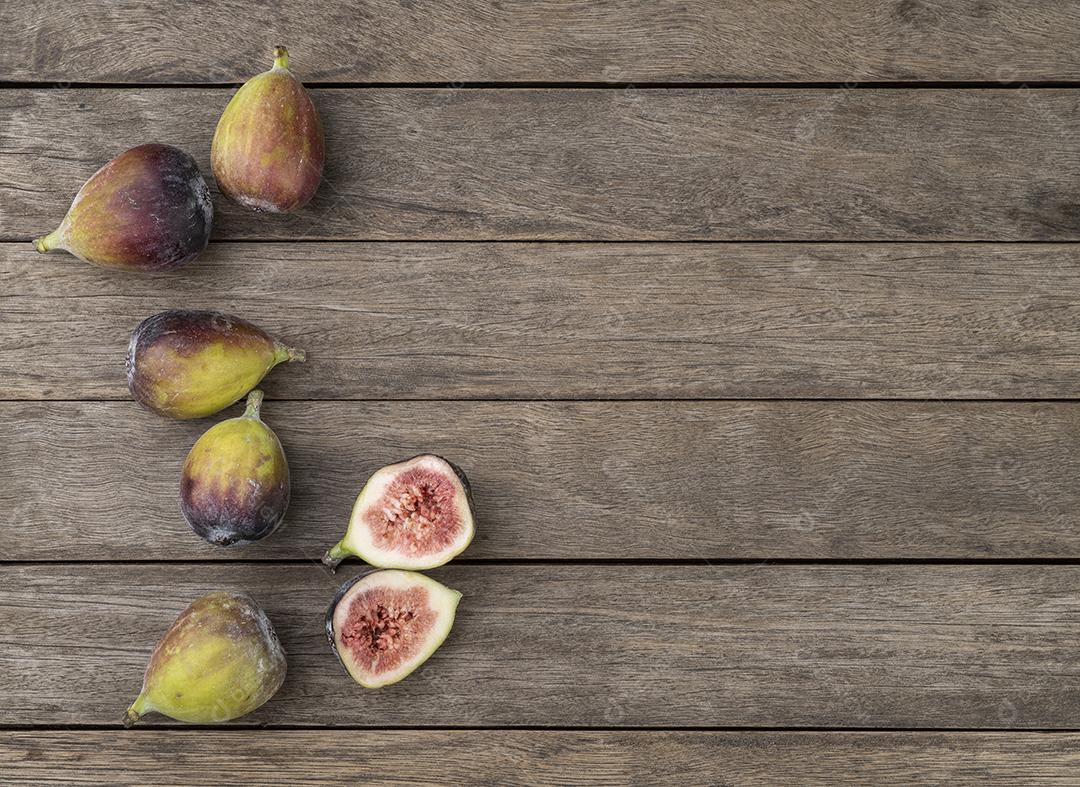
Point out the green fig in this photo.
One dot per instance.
(234, 488)
(190, 364)
(220, 660)
(268, 148)
(146, 210)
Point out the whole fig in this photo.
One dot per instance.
(220, 660)
(190, 364)
(146, 210)
(234, 488)
(268, 148)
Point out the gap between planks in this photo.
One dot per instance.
(354, 564)
(451, 85)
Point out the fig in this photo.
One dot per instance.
(234, 488)
(414, 514)
(190, 364)
(268, 148)
(146, 210)
(384, 624)
(218, 661)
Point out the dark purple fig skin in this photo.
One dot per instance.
(146, 210)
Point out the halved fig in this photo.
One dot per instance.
(414, 514)
(384, 624)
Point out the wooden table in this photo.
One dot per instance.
(755, 325)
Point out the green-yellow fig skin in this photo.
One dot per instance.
(268, 149)
(220, 660)
(234, 488)
(148, 209)
(190, 364)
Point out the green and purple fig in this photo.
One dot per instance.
(146, 210)
(220, 660)
(268, 148)
(234, 488)
(190, 364)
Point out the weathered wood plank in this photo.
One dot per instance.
(603, 164)
(539, 321)
(632, 480)
(695, 646)
(474, 40)
(220, 758)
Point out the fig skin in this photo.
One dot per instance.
(268, 149)
(234, 488)
(190, 364)
(356, 543)
(220, 660)
(146, 210)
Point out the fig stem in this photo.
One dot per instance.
(283, 353)
(135, 712)
(281, 57)
(334, 556)
(254, 403)
(48, 242)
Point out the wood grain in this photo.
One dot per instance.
(593, 321)
(776, 164)
(686, 646)
(474, 40)
(564, 480)
(220, 758)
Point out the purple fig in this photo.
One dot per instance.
(268, 151)
(146, 210)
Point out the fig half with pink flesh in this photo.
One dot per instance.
(384, 624)
(415, 514)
